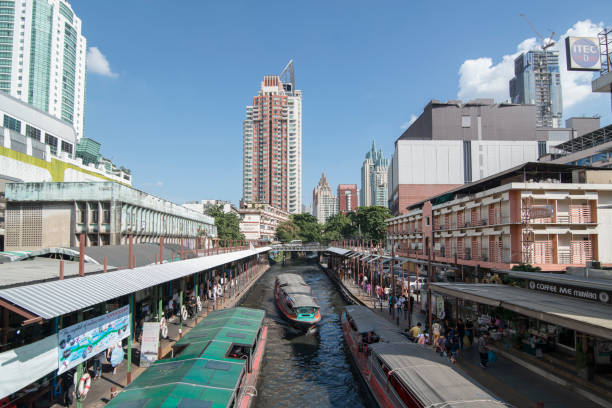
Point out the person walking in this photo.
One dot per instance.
(460, 332)
(97, 364)
(436, 328)
(483, 349)
(116, 356)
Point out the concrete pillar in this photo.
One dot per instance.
(82, 254)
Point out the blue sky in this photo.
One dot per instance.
(170, 103)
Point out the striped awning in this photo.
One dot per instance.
(57, 298)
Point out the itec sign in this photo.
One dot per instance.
(582, 54)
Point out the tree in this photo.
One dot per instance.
(309, 229)
(526, 268)
(338, 227)
(286, 231)
(228, 224)
(370, 222)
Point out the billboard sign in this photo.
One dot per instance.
(81, 341)
(541, 211)
(149, 343)
(582, 54)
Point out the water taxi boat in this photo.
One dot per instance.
(402, 374)
(216, 364)
(295, 301)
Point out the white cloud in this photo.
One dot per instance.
(480, 78)
(98, 64)
(406, 125)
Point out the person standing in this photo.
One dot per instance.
(97, 364)
(460, 332)
(436, 329)
(483, 349)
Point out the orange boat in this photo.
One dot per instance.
(294, 299)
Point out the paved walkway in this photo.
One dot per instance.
(510, 381)
(100, 392)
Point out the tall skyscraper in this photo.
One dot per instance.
(43, 56)
(537, 81)
(347, 198)
(374, 178)
(324, 203)
(272, 144)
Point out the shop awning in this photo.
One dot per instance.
(587, 317)
(338, 251)
(57, 298)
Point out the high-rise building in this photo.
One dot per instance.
(43, 56)
(323, 201)
(537, 81)
(272, 144)
(374, 178)
(347, 198)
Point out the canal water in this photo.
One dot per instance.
(306, 370)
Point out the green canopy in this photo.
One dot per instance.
(201, 375)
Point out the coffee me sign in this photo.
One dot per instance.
(578, 292)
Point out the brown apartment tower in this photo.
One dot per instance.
(272, 144)
(347, 198)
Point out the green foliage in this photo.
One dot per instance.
(228, 224)
(368, 223)
(526, 268)
(309, 229)
(286, 231)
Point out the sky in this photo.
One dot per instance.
(168, 82)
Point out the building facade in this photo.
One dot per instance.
(591, 149)
(374, 178)
(258, 222)
(347, 198)
(43, 215)
(43, 58)
(537, 81)
(37, 147)
(454, 143)
(546, 215)
(324, 204)
(272, 145)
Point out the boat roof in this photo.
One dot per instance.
(201, 375)
(290, 279)
(366, 321)
(295, 289)
(433, 380)
(300, 300)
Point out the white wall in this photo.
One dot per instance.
(429, 162)
(493, 156)
(604, 227)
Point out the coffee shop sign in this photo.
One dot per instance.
(571, 291)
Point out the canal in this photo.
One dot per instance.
(306, 370)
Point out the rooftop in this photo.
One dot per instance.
(592, 139)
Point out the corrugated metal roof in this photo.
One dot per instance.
(53, 299)
(285, 279)
(300, 300)
(366, 320)
(432, 379)
(338, 251)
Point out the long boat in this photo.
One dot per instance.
(216, 365)
(295, 301)
(402, 374)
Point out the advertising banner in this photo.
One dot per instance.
(578, 292)
(84, 340)
(24, 365)
(149, 343)
(582, 54)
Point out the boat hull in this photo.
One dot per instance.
(292, 318)
(249, 385)
(360, 360)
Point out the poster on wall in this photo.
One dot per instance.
(84, 340)
(149, 343)
(440, 307)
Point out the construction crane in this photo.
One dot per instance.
(546, 42)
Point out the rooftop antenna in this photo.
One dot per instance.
(288, 71)
(546, 42)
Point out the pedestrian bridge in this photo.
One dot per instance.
(299, 247)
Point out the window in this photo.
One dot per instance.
(52, 142)
(466, 121)
(32, 132)
(66, 147)
(12, 123)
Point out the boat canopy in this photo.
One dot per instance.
(366, 320)
(285, 279)
(299, 300)
(431, 379)
(201, 375)
(297, 289)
